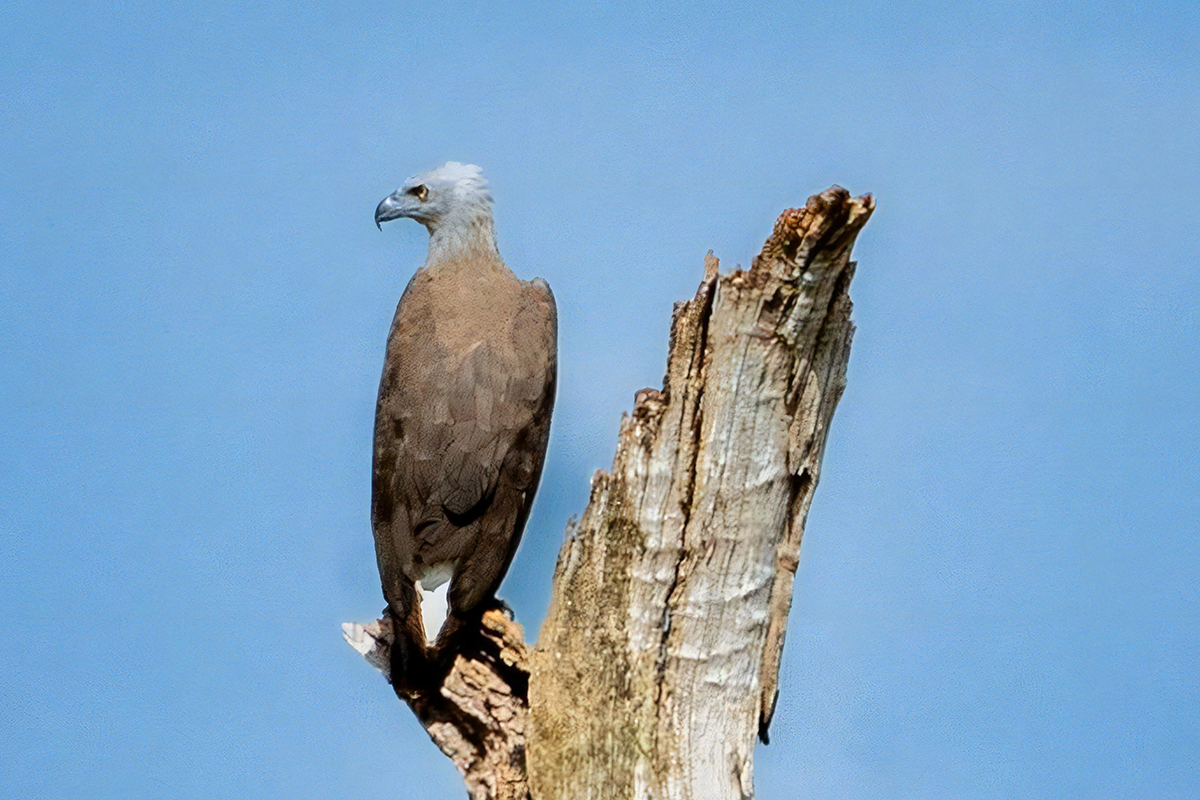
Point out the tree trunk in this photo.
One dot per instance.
(658, 663)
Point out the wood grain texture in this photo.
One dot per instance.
(657, 665)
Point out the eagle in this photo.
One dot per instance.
(462, 418)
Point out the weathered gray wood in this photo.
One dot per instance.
(657, 666)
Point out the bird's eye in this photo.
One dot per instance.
(420, 192)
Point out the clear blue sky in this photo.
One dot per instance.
(998, 590)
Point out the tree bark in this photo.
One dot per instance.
(657, 666)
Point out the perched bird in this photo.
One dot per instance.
(462, 419)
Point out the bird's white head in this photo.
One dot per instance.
(453, 202)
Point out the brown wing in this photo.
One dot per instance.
(523, 414)
(460, 435)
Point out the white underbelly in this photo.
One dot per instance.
(433, 585)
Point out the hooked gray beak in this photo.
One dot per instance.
(391, 207)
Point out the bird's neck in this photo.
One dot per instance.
(459, 237)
